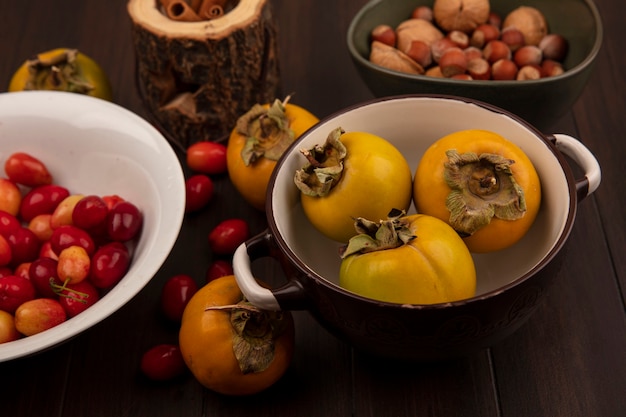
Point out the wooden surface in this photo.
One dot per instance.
(568, 360)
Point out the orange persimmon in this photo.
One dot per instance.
(230, 346)
(482, 184)
(258, 141)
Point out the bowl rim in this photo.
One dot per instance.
(585, 63)
(549, 256)
(66, 103)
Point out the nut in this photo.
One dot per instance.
(484, 34)
(528, 20)
(504, 69)
(479, 69)
(528, 72)
(472, 52)
(495, 19)
(463, 15)
(434, 72)
(419, 51)
(496, 50)
(554, 46)
(528, 55)
(394, 59)
(459, 38)
(464, 77)
(422, 12)
(384, 34)
(440, 46)
(513, 38)
(550, 68)
(416, 30)
(453, 62)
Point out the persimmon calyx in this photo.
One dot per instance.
(377, 236)
(482, 187)
(324, 167)
(267, 132)
(254, 334)
(59, 72)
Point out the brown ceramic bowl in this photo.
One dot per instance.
(511, 282)
(541, 102)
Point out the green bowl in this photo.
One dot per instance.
(541, 102)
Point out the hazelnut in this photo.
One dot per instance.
(463, 15)
(528, 20)
(513, 38)
(479, 69)
(464, 77)
(453, 62)
(434, 72)
(419, 51)
(483, 34)
(495, 19)
(472, 52)
(528, 55)
(422, 12)
(416, 30)
(459, 38)
(496, 50)
(550, 68)
(384, 34)
(554, 46)
(504, 69)
(439, 46)
(394, 59)
(528, 72)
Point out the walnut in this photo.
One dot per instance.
(416, 30)
(528, 20)
(463, 15)
(394, 59)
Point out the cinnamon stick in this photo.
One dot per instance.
(180, 10)
(211, 9)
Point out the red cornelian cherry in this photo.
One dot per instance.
(124, 221)
(109, 265)
(90, 213)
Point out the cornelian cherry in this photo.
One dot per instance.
(43, 275)
(68, 235)
(109, 265)
(199, 191)
(175, 295)
(90, 213)
(76, 298)
(15, 291)
(124, 221)
(42, 200)
(73, 265)
(24, 245)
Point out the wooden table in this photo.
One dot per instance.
(568, 360)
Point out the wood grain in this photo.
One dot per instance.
(568, 360)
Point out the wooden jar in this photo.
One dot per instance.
(198, 74)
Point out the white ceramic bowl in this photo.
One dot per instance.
(92, 146)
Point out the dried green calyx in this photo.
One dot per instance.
(324, 167)
(267, 132)
(254, 334)
(483, 187)
(372, 236)
(59, 72)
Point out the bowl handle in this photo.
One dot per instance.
(290, 296)
(573, 148)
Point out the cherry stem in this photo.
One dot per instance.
(58, 290)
